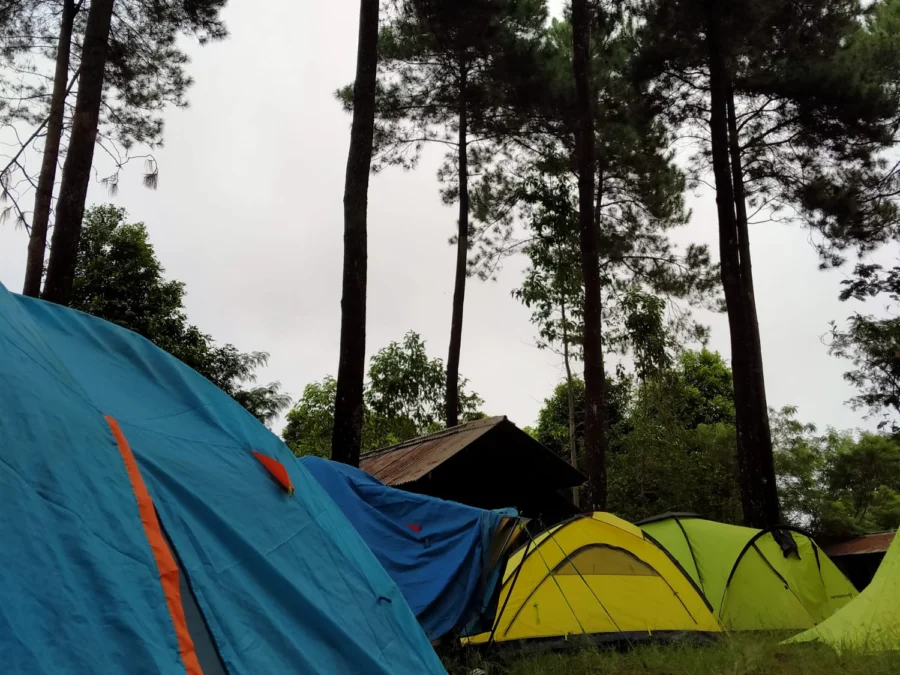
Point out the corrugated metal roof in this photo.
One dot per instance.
(412, 459)
(870, 543)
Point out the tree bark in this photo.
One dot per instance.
(757, 490)
(37, 243)
(594, 414)
(573, 446)
(346, 439)
(462, 257)
(765, 491)
(76, 174)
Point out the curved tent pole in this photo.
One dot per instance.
(599, 601)
(700, 592)
(514, 532)
(510, 537)
(561, 592)
(752, 544)
(690, 546)
(512, 585)
(753, 540)
(538, 585)
(667, 515)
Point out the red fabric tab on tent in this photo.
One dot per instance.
(277, 470)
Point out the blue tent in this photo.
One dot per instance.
(445, 557)
(141, 534)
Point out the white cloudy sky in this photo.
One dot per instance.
(248, 213)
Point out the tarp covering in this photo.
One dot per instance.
(775, 579)
(437, 552)
(596, 575)
(871, 622)
(284, 583)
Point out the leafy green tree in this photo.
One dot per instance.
(662, 467)
(872, 344)
(836, 483)
(708, 389)
(696, 390)
(859, 473)
(553, 429)
(404, 383)
(443, 65)
(234, 373)
(309, 424)
(404, 398)
(676, 450)
(799, 465)
(672, 438)
(119, 278)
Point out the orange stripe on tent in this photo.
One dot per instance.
(165, 563)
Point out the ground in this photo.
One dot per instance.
(747, 654)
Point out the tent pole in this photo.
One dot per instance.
(690, 546)
(512, 586)
(599, 602)
(520, 523)
(559, 588)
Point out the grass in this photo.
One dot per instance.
(747, 654)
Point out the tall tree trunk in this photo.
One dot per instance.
(570, 395)
(37, 243)
(594, 413)
(76, 174)
(766, 490)
(346, 439)
(462, 257)
(752, 471)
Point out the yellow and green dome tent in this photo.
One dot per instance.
(599, 577)
(871, 623)
(773, 579)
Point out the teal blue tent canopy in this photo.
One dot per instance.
(151, 525)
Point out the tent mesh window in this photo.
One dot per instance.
(600, 559)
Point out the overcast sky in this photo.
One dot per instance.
(248, 213)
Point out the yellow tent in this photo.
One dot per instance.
(870, 622)
(596, 575)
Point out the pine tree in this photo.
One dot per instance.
(595, 442)
(637, 198)
(129, 68)
(444, 66)
(348, 408)
(80, 156)
(37, 241)
(786, 112)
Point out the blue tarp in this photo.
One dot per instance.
(285, 584)
(435, 551)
